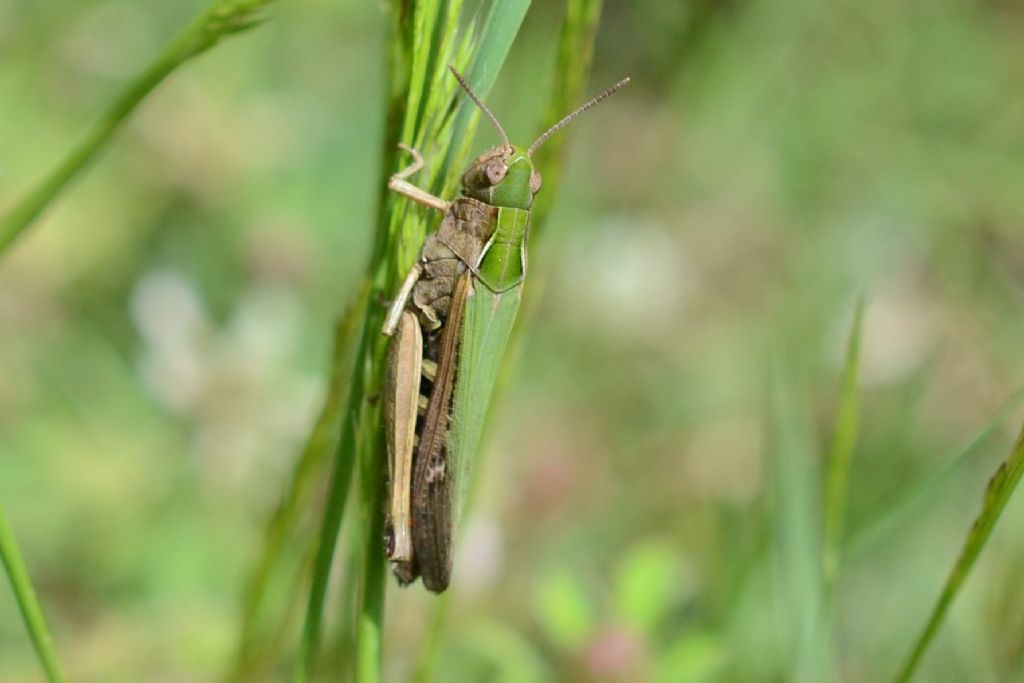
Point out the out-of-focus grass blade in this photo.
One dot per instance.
(263, 623)
(430, 655)
(796, 529)
(892, 514)
(341, 479)
(843, 441)
(575, 54)
(997, 494)
(31, 612)
(218, 20)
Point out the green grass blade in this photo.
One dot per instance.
(221, 18)
(430, 655)
(31, 612)
(373, 496)
(341, 479)
(841, 452)
(877, 528)
(796, 531)
(575, 54)
(1000, 487)
(283, 527)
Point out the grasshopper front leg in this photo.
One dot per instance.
(399, 184)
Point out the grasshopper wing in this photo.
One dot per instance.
(432, 478)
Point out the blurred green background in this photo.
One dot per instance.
(165, 335)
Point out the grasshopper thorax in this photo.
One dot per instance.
(504, 177)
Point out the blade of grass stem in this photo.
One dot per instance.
(344, 643)
(370, 620)
(430, 655)
(843, 440)
(407, 59)
(1000, 487)
(341, 478)
(575, 55)
(877, 528)
(31, 612)
(218, 20)
(306, 483)
(797, 540)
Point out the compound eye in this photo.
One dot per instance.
(535, 182)
(495, 171)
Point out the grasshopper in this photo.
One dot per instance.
(450, 324)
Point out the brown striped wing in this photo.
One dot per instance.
(432, 481)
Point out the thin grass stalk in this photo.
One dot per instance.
(797, 536)
(221, 18)
(341, 479)
(844, 439)
(575, 56)
(259, 641)
(997, 494)
(925, 490)
(28, 604)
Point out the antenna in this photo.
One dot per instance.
(573, 116)
(483, 107)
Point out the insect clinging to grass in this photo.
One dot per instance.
(450, 325)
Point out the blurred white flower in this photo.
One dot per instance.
(901, 328)
(167, 311)
(630, 275)
(480, 554)
(235, 382)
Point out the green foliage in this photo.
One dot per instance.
(649, 573)
(563, 609)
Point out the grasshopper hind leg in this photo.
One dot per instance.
(402, 393)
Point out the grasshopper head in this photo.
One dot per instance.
(503, 176)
